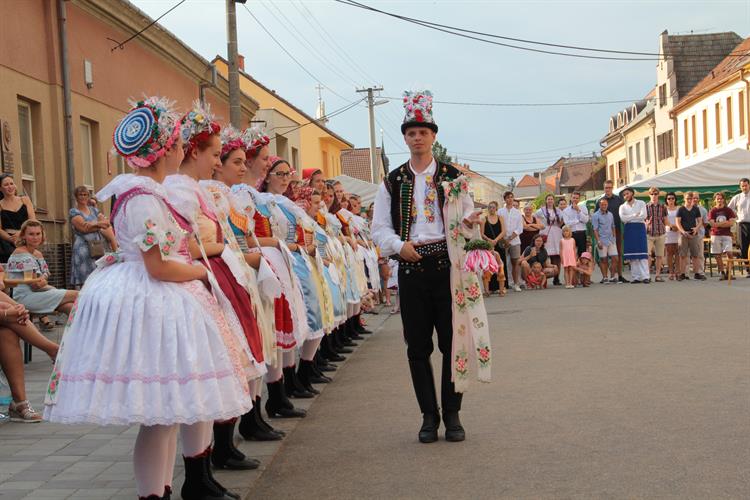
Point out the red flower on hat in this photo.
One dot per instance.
(418, 115)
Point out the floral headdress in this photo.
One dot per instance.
(147, 132)
(418, 108)
(197, 126)
(255, 138)
(231, 139)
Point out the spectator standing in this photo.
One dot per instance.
(722, 219)
(88, 236)
(568, 256)
(531, 226)
(493, 231)
(634, 244)
(657, 221)
(672, 236)
(553, 222)
(513, 229)
(603, 225)
(689, 221)
(577, 218)
(614, 202)
(14, 211)
(740, 203)
(704, 229)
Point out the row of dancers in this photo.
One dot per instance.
(222, 281)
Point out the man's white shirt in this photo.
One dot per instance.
(422, 230)
(575, 219)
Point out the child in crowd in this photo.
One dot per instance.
(536, 279)
(583, 270)
(568, 254)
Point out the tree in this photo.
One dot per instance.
(440, 153)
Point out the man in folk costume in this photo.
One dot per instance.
(420, 215)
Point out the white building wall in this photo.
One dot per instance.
(640, 151)
(665, 75)
(714, 147)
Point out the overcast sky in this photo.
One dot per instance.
(400, 55)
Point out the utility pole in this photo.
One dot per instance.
(373, 148)
(235, 111)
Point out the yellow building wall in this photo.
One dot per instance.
(318, 148)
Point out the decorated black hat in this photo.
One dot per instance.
(418, 108)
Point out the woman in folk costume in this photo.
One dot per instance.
(264, 285)
(146, 342)
(289, 219)
(290, 311)
(356, 283)
(422, 214)
(202, 145)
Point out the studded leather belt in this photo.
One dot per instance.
(434, 256)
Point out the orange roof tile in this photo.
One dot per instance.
(528, 181)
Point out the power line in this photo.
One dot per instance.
(270, 35)
(121, 45)
(330, 115)
(462, 32)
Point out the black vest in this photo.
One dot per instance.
(400, 185)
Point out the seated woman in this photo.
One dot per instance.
(15, 325)
(27, 261)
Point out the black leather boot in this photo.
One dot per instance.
(359, 327)
(424, 388)
(454, 431)
(428, 433)
(319, 374)
(251, 430)
(341, 343)
(261, 422)
(199, 485)
(307, 376)
(293, 386)
(225, 454)
(278, 405)
(328, 348)
(351, 332)
(320, 359)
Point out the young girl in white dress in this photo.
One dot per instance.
(145, 341)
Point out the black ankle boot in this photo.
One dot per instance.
(261, 422)
(293, 386)
(251, 430)
(359, 327)
(199, 485)
(225, 454)
(278, 405)
(454, 431)
(428, 433)
(340, 342)
(351, 331)
(307, 376)
(320, 359)
(328, 349)
(323, 379)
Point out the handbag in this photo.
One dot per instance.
(96, 247)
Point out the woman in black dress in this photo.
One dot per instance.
(14, 211)
(493, 230)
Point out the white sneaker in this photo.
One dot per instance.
(516, 288)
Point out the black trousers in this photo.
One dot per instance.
(425, 299)
(744, 235)
(580, 237)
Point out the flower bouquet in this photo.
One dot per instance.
(479, 257)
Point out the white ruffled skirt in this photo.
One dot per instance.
(139, 350)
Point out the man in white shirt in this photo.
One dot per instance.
(740, 203)
(408, 224)
(634, 241)
(513, 223)
(577, 218)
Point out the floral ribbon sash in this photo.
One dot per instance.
(471, 338)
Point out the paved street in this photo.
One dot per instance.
(613, 391)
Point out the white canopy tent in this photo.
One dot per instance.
(722, 172)
(365, 190)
